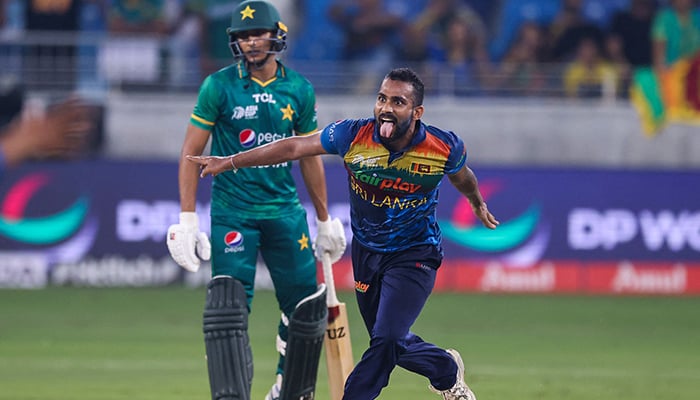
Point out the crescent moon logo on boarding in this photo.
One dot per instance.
(519, 241)
(47, 229)
(64, 236)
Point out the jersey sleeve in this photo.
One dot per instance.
(307, 121)
(458, 154)
(337, 137)
(206, 111)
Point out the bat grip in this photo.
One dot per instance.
(331, 297)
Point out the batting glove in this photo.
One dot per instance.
(330, 238)
(185, 238)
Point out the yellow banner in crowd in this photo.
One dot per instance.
(672, 96)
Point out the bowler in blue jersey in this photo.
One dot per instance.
(395, 164)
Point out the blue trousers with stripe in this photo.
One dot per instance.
(391, 290)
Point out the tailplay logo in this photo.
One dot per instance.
(520, 241)
(62, 236)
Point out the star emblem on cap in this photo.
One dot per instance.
(247, 13)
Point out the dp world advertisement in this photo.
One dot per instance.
(588, 231)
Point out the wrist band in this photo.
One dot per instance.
(233, 166)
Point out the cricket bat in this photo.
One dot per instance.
(339, 360)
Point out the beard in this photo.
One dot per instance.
(400, 130)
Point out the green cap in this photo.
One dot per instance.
(253, 15)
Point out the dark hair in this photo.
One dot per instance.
(407, 75)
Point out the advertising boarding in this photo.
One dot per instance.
(103, 223)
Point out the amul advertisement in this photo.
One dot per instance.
(103, 223)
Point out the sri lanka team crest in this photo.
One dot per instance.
(234, 242)
(247, 138)
(519, 242)
(63, 236)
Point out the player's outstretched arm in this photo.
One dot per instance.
(60, 131)
(288, 149)
(465, 181)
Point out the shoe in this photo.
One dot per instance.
(274, 393)
(460, 390)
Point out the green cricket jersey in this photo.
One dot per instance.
(242, 113)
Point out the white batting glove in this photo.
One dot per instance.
(330, 238)
(184, 238)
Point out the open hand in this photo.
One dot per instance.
(483, 213)
(59, 131)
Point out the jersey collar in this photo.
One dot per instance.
(418, 137)
(243, 73)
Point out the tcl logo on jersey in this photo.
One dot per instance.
(247, 138)
(264, 98)
(234, 242)
(247, 112)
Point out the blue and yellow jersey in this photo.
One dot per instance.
(393, 196)
(243, 113)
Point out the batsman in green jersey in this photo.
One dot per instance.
(255, 101)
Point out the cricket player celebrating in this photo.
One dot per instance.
(395, 164)
(255, 101)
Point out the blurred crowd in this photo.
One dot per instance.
(582, 48)
(579, 48)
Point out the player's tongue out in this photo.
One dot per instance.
(386, 129)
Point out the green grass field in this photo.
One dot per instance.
(92, 344)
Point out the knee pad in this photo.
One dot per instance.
(225, 326)
(307, 328)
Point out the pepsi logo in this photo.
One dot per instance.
(247, 138)
(233, 239)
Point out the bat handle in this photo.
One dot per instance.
(332, 298)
